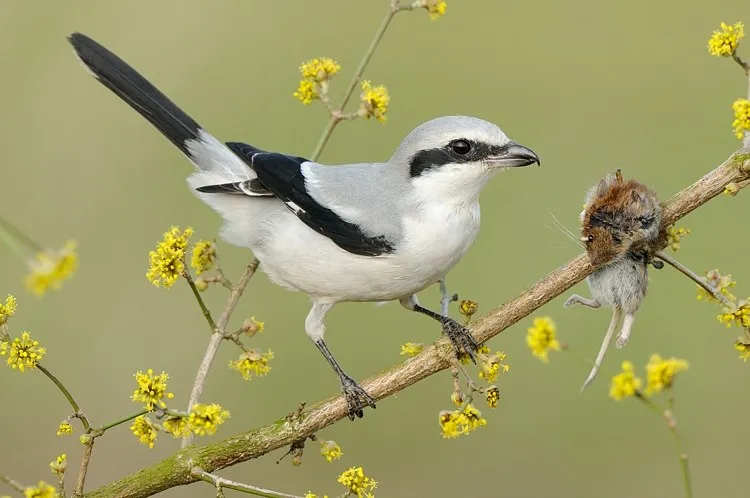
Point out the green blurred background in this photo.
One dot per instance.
(590, 86)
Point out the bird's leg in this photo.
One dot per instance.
(445, 298)
(576, 299)
(461, 338)
(356, 397)
(627, 326)
(604, 347)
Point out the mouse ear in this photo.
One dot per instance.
(618, 175)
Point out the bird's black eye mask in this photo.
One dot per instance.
(459, 151)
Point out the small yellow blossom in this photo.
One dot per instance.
(205, 419)
(467, 307)
(319, 69)
(660, 373)
(482, 350)
(251, 363)
(722, 283)
(731, 189)
(460, 422)
(307, 92)
(41, 490)
(492, 395)
(492, 366)
(358, 483)
(541, 338)
(23, 352)
(330, 450)
(59, 465)
(144, 430)
(204, 255)
(374, 101)
(251, 326)
(724, 42)
(151, 390)
(744, 349)
(739, 316)
(411, 349)
(50, 268)
(167, 261)
(675, 235)
(177, 426)
(457, 397)
(313, 495)
(436, 9)
(625, 383)
(64, 429)
(8, 309)
(741, 123)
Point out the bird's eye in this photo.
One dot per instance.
(461, 147)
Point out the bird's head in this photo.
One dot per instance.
(452, 157)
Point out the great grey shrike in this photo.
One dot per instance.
(354, 232)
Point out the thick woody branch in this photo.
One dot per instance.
(176, 470)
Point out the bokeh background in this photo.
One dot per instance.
(589, 85)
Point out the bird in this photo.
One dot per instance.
(362, 232)
(622, 229)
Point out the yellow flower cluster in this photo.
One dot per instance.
(467, 307)
(167, 261)
(374, 102)
(22, 352)
(460, 422)
(492, 366)
(251, 326)
(743, 346)
(739, 315)
(41, 490)
(675, 235)
(205, 419)
(741, 123)
(8, 309)
(435, 8)
(541, 338)
(59, 465)
(724, 42)
(50, 268)
(144, 430)
(330, 450)
(492, 395)
(251, 363)
(411, 349)
(358, 483)
(151, 390)
(722, 284)
(660, 375)
(204, 255)
(64, 429)
(315, 75)
(177, 426)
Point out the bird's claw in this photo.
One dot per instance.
(356, 398)
(461, 338)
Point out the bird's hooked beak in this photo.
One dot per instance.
(514, 155)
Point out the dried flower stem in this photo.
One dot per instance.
(12, 483)
(174, 471)
(221, 482)
(337, 114)
(695, 278)
(219, 331)
(76, 409)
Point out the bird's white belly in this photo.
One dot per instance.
(298, 258)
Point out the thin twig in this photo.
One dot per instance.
(77, 412)
(221, 482)
(84, 468)
(201, 303)
(695, 278)
(12, 483)
(337, 114)
(216, 337)
(19, 235)
(434, 358)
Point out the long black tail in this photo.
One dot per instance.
(130, 86)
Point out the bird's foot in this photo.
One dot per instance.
(356, 397)
(461, 338)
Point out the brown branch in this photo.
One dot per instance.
(176, 470)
